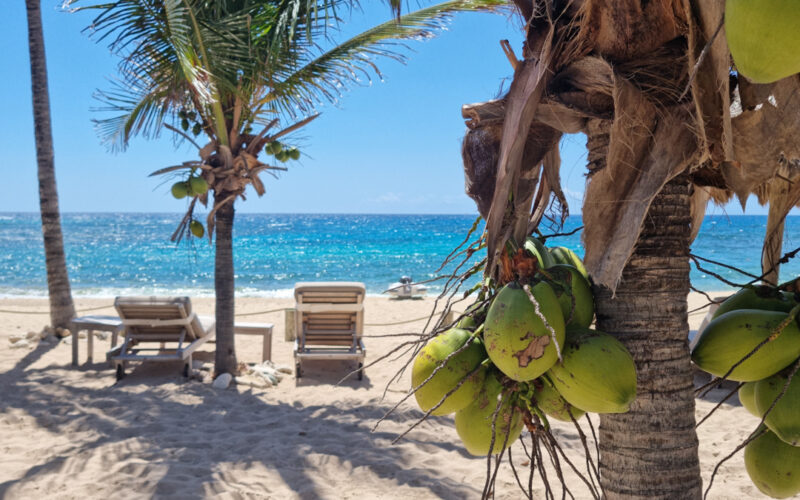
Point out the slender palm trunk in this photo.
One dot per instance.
(651, 452)
(62, 309)
(225, 358)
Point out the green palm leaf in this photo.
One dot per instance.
(325, 76)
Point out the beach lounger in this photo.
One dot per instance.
(329, 322)
(159, 329)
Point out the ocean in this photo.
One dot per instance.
(126, 253)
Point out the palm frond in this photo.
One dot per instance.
(325, 76)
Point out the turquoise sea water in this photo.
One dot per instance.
(114, 254)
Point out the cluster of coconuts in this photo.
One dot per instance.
(527, 348)
(751, 316)
(195, 185)
(190, 120)
(281, 152)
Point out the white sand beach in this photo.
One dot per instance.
(72, 433)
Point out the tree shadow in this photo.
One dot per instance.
(146, 422)
(331, 372)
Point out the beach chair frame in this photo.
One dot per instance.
(162, 321)
(329, 322)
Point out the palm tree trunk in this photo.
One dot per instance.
(225, 357)
(651, 452)
(62, 309)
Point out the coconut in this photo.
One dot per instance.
(550, 401)
(519, 343)
(474, 423)
(732, 336)
(198, 186)
(563, 255)
(294, 154)
(453, 371)
(773, 466)
(197, 229)
(180, 190)
(763, 37)
(784, 419)
(747, 396)
(571, 287)
(762, 297)
(597, 373)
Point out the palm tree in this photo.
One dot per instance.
(651, 85)
(233, 70)
(62, 309)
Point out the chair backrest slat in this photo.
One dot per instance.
(335, 327)
(136, 309)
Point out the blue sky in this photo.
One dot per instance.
(388, 147)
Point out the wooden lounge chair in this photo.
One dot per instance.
(329, 322)
(167, 322)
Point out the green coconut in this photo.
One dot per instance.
(453, 371)
(517, 340)
(747, 396)
(773, 466)
(571, 287)
(537, 248)
(763, 37)
(294, 154)
(198, 186)
(180, 190)
(474, 423)
(765, 298)
(563, 255)
(597, 373)
(784, 419)
(197, 229)
(730, 337)
(550, 401)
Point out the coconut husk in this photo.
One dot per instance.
(782, 193)
(709, 64)
(527, 89)
(647, 147)
(622, 30)
(698, 200)
(762, 137)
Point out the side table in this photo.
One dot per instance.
(94, 323)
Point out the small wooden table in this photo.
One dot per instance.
(263, 329)
(94, 323)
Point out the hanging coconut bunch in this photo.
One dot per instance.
(754, 337)
(524, 352)
(225, 170)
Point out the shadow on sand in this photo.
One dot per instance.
(154, 420)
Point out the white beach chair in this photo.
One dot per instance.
(166, 321)
(329, 323)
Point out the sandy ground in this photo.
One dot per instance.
(76, 433)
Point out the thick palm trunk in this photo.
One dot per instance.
(651, 452)
(225, 358)
(62, 309)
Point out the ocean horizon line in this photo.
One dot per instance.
(398, 214)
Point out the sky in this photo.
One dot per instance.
(390, 146)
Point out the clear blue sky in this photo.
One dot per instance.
(391, 147)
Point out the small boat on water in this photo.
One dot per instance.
(406, 289)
